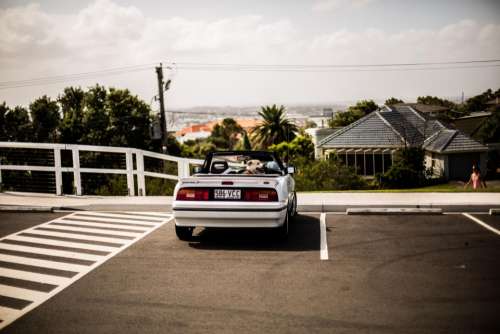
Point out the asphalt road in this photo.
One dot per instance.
(385, 274)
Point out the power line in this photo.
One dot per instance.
(63, 80)
(214, 67)
(341, 65)
(326, 70)
(64, 76)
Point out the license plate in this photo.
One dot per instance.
(227, 194)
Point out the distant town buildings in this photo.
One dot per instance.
(202, 131)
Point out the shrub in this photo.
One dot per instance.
(326, 175)
(407, 171)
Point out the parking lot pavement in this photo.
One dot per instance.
(415, 273)
(385, 274)
(38, 262)
(490, 220)
(11, 222)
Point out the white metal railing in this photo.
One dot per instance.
(183, 164)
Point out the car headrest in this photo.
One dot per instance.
(218, 167)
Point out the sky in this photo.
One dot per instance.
(54, 38)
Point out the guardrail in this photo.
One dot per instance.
(134, 164)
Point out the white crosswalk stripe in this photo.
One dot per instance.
(53, 252)
(105, 225)
(40, 240)
(83, 238)
(93, 230)
(153, 219)
(39, 262)
(34, 277)
(116, 220)
(13, 292)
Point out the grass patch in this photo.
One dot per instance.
(450, 187)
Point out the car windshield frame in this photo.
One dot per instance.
(237, 165)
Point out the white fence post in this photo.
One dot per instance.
(183, 168)
(141, 181)
(58, 171)
(130, 173)
(76, 171)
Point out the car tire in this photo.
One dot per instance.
(293, 211)
(184, 233)
(282, 231)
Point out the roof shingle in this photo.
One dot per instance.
(393, 126)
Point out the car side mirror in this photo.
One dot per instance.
(290, 170)
(197, 169)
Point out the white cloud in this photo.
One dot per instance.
(335, 5)
(107, 34)
(464, 40)
(23, 29)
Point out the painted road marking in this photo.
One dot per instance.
(151, 222)
(38, 240)
(119, 215)
(483, 224)
(100, 225)
(50, 252)
(323, 254)
(39, 262)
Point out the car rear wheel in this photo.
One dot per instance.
(293, 210)
(282, 231)
(184, 233)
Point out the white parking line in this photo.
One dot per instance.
(483, 224)
(323, 254)
(36, 264)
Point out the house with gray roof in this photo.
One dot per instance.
(368, 145)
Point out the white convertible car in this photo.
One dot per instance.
(236, 189)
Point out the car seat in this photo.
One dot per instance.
(218, 167)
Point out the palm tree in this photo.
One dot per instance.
(274, 128)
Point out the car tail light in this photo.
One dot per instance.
(261, 195)
(192, 194)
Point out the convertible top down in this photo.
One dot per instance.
(236, 189)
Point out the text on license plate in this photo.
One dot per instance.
(227, 194)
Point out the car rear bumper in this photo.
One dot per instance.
(229, 214)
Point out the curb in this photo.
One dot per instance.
(393, 211)
(24, 208)
(494, 212)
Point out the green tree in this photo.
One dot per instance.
(226, 134)
(392, 101)
(434, 100)
(407, 171)
(72, 106)
(301, 147)
(365, 106)
(18, 125)
(353, 113)
(96, 120)
(4, 110)
(130, 119)
(275, 127)
(197, 148)
(46, 118)
(246, 142)
(489, 132)
(344, 118)
(326, 175)
(479, 102)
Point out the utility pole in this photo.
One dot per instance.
(159, 74)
